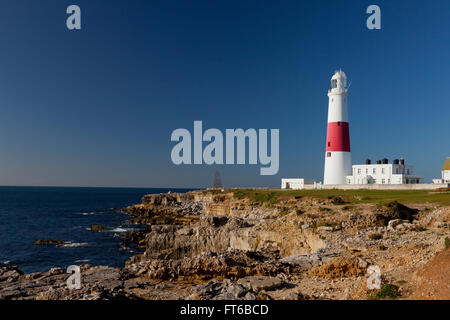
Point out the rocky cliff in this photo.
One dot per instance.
(218, 245)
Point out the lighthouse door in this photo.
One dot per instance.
(288, 185)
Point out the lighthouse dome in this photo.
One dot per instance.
(339, 82)
(339, 74)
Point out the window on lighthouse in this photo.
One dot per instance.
(333, 83)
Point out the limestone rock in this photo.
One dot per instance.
(257, 283)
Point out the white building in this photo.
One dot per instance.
(383, 173)
(337, 152)
(295, 184)
(445, 173)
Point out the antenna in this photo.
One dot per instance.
(349, 85)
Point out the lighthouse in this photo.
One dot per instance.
(337, 155)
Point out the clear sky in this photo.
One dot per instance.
(97, 107)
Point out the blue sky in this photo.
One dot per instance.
(97, 107)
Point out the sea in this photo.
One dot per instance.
(28, 214)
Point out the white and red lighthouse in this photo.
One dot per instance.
(337, 155)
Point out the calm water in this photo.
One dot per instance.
(31, 213)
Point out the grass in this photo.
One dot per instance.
(447, 243)
(387, 291)
(273, 196)
(337, 200)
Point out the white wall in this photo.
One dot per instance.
(293, 183)
(337, 167)
(420, 186)
(380, 174)
(446, 175)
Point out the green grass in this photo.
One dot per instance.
(270, 196)
(387, 291)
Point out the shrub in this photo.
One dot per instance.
(376, 236)
(387, 291)
(447, 243)
(284, 211)
(337, 200)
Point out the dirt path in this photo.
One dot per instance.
(433, 280)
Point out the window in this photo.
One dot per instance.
(359, 171)
(389, 181)
(329, 143)
(339, 123)
(382, 181)
(333, 83)
(328, 154)
(374, 181)
(407, 171)
(367, 170)
(382, 170)
(396, 170)
(374, 170)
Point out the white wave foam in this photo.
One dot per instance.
(82, 261)
(75, 244)
(87, 213)
(120, 230)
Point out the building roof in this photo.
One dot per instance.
(446, 164)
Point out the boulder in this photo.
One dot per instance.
(257, 283)
(49, 242)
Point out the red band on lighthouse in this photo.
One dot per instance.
(338, 137)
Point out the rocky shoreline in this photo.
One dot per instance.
(214, 245)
